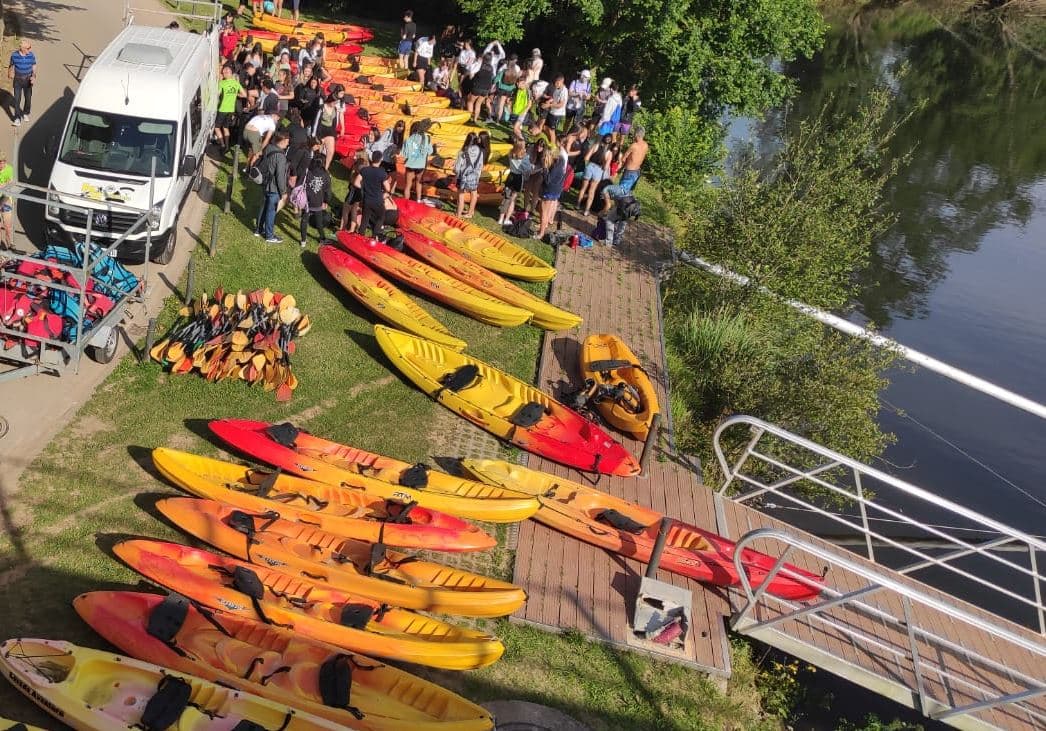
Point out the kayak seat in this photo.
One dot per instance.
(599, 366)
(167, 619)
(527, 415)
(460, 379)
(620, 521)
(167, 705)
(416, 476)
(284, 434)
(355, 616)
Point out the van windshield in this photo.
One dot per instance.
(118, 144)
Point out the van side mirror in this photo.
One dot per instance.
(188, 165)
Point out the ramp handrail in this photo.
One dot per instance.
(770, 478)
(906, 622)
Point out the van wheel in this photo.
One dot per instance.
(164, 255)
(105, 353)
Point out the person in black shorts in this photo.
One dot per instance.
(375, 183)
(479, 93)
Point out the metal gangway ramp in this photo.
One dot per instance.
(916, 615)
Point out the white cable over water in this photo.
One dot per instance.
(926, 361)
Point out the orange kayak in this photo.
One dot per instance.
(345, 509)
(309, 608)
(414, 98)
(344, 76)
(398, 111)
(546, 315)
(275, 663)
(311, 28)
(434, 283)
(359, 567)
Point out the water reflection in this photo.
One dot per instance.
(978, 146)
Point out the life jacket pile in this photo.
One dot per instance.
(246, 336)
(43, 312)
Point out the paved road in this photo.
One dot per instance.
(65, 37)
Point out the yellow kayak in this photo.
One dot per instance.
(384, 299)
(546, 314)
(623, 393)
(332, 32)
(6, 724)
(434, 283)
(483, 247)
(505, 406)
(389, 111)
(91, 690)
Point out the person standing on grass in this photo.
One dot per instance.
(258, 133)
(597, 167)
(505, 87)
(374, 182)
(578, 94)
(318, 194)
(22, 73)
(273, 166)
(519, 169)
(417, 149)
(408, 34)
(556, 106)
(325, 128)
(229, 90)
(294, 9)
(631, 165)
(468, 167)
(479, 91)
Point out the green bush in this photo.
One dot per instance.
(684, 149)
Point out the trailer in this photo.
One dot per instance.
(24, 354)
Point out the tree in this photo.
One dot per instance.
(800, 227)
(702, 55)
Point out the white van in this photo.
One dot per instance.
(150, 95)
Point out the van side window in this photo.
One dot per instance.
(196, 117)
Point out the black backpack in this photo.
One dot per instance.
(629, 209)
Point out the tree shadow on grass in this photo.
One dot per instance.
(201, 428)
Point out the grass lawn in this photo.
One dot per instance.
(94, 482)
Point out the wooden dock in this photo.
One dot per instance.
(573, 586)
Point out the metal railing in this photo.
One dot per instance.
(211, 13)
(972, 556)
(953, 682)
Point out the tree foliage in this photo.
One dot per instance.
(697, 54)
(801, 227)
(684, 148)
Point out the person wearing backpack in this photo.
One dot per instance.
(468, 166)
(273, 169)
(417, 149)
(316, 194)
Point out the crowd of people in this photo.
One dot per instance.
(285, 109)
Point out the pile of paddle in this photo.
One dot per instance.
(246, 336)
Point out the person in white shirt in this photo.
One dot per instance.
(579, 92)
(612, 109)
(423, 49)
(258, 132)
(536, 64)
(556, 106)
(466, 57)
(496, 51)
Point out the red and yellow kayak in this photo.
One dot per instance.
(475, 242)
(269, 39)
(359, 567)
(546, 314)
(275, 663)
(91, 690)
(434, 283)
(346, 509)
(630, 530)
(309, 608)
(505, 406)
(297, 452)
(384, 299)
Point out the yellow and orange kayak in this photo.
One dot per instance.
(631, 401)
(546, 314)
(275, 663)
(309, 608)
(483, 247)
(345, 508)
(434, 283)
(330, 31)
(91, 690)
(359, 567)
(385, 299)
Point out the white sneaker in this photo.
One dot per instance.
(16, 122)
(304, 243)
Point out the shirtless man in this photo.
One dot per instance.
(630, 169)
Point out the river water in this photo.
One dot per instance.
(962, 274)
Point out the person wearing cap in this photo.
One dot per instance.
(536, 64)
(578, 94)
(611, 112)
(602, 94)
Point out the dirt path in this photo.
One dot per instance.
(65, 37)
